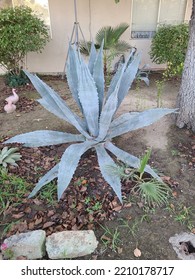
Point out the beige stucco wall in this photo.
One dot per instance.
(103, 12)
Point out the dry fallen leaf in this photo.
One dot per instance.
(104, 237)
(137, 253)
(38, 221)
(48, 224)
(128, 205)
(117, 209)
(174, 194)
(120, 250)
(21, 258)
(193, 230)
(31, 225)
(18, 216)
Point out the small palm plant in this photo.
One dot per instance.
(152, 191)
(113, 46)
(98, 125)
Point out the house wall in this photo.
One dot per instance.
(103, 12)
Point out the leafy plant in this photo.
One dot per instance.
(169, 46)
(183, 214)
(15, 80)
(111, 238)
(99, 123)
(153, 192)
(113, 46)
(12, 189)
(159, 85)
(143, 163)
(8, 254)
(21, 32)
(9, 156)
(49, 194)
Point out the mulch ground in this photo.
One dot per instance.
(87, 201)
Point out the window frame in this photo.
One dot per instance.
(157, 23)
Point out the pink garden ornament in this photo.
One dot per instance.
(11, 101)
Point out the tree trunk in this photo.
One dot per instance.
(186, 97)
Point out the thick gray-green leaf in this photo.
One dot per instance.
(148, 117)
(52, 110)
(42, 138)
(72, 74)
(145, 79)
(123, 118)
(92, 58)
(57, 103)
(68, 164)
(105, 161)
(129, 159)
(47, 93)
(98, 75)
(48, 177)
(117, 75)
(128, 78)
(88, 96)
(108, 111)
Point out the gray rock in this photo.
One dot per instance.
(180, 243)
(71, 244)
(30, 244)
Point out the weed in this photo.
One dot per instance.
(13, 189)
(159, 85)
(87, 200)
(111, 238)
(8, 254)
(80, 181)
(182, 214)
(175, 152)
(7, 228)
(131, 226)
(49, 193)
(92, 208)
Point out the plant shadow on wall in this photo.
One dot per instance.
(98, 125)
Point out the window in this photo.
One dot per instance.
(147, 14)
(5, 3)
(41, 7)
(172, 11)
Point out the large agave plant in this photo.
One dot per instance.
(98, 125)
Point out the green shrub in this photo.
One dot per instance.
(15, 80)
(21, 31)
(169, 46)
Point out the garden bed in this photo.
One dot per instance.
(89, 203)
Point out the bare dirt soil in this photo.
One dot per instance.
(119, 229)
